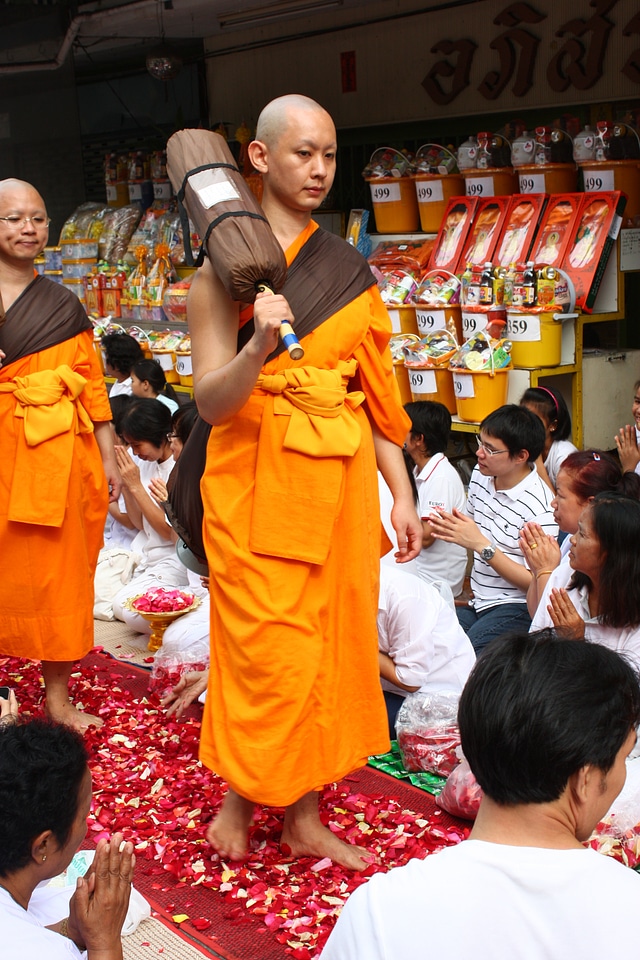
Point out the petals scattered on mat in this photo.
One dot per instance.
(148, 783)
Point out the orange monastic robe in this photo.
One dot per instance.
(46, 587)
(294, 699)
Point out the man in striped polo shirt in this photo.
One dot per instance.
(505, 491)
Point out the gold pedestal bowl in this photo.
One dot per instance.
(159, 621)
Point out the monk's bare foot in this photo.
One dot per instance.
(304, 835)
(65, 712)
(228, 833)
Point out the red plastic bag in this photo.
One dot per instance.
(462, 794)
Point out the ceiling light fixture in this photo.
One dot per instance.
(274, 11)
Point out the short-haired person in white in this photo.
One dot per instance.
(505, 492)
(421, 645)
(546, 725)
(439, 486)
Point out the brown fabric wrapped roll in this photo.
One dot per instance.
(212, 192)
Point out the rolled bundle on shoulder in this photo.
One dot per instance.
(212, 192)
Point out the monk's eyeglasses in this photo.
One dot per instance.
(39, 222)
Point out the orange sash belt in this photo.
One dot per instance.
(47, 403)
(305, 440)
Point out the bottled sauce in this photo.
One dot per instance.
(529, 291)
(509, 281)
(465, 280)
(486, 285)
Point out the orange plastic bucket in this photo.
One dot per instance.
(167, 360)
(184, 367)
(490, 182)
(395, 204)
(433, 192)
(615, 175)
(478, 393)
(432, 383)
(547, 178)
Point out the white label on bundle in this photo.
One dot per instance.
(422, 381)
(463, 385)
(597, 180)
(212, 187)
(164, 359)
(479, 187)
(394, 316)
(523, 326)
(428, 320)
(184, 365)
(531, 182)
(429, 192)
(385, 192)
(473, 323)
(135, 191)
(112, 192)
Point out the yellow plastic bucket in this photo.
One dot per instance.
(430, 318)
(402, 377)
(403, 319)
(433, 193)
(615, 175)
(536, 339)
(432, 383)
(184, 368)
(395, 204)
(490, 182)
(547, 178)
(167, 360)
(478, 393)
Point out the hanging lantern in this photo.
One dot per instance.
(163, 63)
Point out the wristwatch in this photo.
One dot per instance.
(487, 553)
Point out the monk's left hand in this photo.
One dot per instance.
(408, 528)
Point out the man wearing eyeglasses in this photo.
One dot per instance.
(505, 491)
(57, 458)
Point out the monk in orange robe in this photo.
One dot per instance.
(292, 521)
(57, 458)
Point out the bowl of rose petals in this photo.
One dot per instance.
(160, 607)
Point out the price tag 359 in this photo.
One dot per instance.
(523, 327)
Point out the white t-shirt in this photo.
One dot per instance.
(386, 504)
(148, 543)
(500, 516)
(120, 388)
(439, 485)
(637, 470)
(490, 901)
(558, 453)
(625, 640)
(24, 937)
(168, 402)
(421, 634)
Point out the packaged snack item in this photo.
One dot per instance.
(437, 288)
(175, 301)
(481, 352)
(409, 254)
(434, 349)
(556, 228)
(490, 217)
(456, 223)
(397, 287)
(119, 225)
(519, 228)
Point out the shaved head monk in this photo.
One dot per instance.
(57, 458)
(292, 523)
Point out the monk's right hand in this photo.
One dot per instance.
(269, 311)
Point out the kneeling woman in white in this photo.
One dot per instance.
(145, 427)
(595, 593)
(421, 645)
